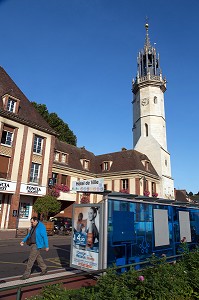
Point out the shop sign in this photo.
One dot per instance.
(7, 186)
(32, 189)
(90, 185)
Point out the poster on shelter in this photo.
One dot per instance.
(86, 237)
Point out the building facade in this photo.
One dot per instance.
(26, 155)
(126, 171)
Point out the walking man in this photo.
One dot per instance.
(37, 239)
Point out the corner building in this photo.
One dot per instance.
(26, 143)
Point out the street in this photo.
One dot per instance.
(13, 257)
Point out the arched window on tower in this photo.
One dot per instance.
(146, 129)
(155, 99)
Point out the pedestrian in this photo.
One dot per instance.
(37, 239)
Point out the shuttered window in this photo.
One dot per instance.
(4, 163)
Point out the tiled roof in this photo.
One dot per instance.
(124, 161)
(27, 113)
(180, 195)
(75, 154)
(127, 160)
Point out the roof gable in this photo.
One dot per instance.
(26, 112)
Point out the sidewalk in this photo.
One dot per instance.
(10, 234)
(7, 234)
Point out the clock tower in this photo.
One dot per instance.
(149, 124)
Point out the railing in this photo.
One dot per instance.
(149, 77)
(79, 274)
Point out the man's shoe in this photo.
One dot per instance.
(43, 273)
(24, 277)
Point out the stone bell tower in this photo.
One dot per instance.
(149, 124)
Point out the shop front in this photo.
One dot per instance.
(7, 189)
(28, 195)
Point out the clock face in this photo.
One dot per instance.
(145, 101)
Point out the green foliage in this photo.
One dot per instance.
(46, 205)
(159, 281)
(65, 134)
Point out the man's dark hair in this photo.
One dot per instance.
(34, 219)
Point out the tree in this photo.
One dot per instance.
(65, 134)
(46, 205)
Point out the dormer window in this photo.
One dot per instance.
(105, 166)
(56, 156)
(147, 165)
(11, 105)
(85, 164)
(64, 158)
(61, 157)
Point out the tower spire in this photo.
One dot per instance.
(147, 39)
(148, 60)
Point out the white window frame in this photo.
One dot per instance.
(106, 165)
(11, 105)
(55, 177)
(56, 156)
(34, 172)
(8, 141)
(38, 144)
(86, 164)
(125, 184)
(63, 158)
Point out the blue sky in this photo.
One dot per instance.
(79, 57)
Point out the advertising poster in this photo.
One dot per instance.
(85, 248)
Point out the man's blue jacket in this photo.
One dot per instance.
(41, 236)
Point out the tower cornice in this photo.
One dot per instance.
(149, 80)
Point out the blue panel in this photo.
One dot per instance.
(123, 226)
(131, 231)
(121, 262)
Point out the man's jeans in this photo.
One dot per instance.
(34, 256)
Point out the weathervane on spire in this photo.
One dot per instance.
(147, 23)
